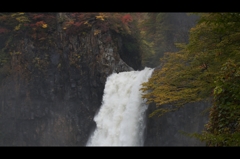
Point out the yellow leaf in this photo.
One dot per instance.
(100, 17)
(22, 19)
(96, 32)
(17, 27)
(44, 26)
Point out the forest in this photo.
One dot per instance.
(204, 68)
(196, 56)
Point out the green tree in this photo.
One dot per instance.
(205, 68)
(161, 31)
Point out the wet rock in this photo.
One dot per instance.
(65, 93)
(167, 129)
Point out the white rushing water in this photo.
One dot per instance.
(121, 118)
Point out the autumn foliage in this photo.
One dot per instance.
(206, 68)
(118, 22)
(126, 19)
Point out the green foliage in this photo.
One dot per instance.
(217, 140)
(205, 68)
(163, 31)
(225, 114)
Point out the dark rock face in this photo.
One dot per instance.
(167, 129)
(56, 87)
(54, 92)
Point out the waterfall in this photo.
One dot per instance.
(121, 118)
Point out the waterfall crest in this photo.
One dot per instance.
(121, 118)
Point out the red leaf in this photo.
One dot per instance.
(126, 18)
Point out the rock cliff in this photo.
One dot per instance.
(170, 129)
(56, 86)
(53, 86)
